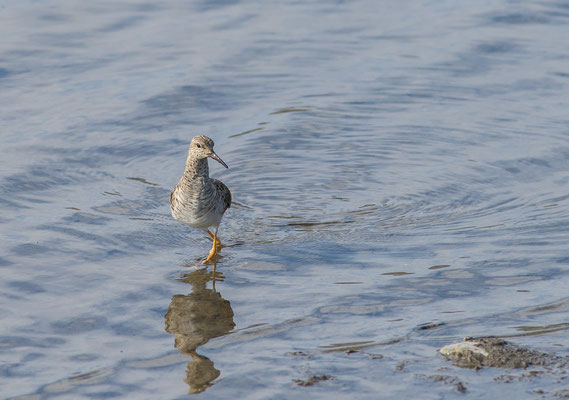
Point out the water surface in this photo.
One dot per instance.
(399, 174)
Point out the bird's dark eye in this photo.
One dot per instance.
(199, 146)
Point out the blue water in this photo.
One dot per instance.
(399, 174)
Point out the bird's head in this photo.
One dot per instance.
(202, 147)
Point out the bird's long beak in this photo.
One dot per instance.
(219, 160)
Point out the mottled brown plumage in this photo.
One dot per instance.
(198, 200)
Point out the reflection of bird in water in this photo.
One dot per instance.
(194, 319)
(198, 200)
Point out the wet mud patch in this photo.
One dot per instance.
(523, 364)
(313, 380)
(477, 353)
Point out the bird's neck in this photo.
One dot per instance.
(197, 168)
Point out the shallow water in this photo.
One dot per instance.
(399, 174)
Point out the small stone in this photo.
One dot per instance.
(460, 388)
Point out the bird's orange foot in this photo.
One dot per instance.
(210, 256)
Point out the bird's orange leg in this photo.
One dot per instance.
(213, 250)
(214, 238)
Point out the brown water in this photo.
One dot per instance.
(399, 172)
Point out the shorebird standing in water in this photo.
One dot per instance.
(198, 200)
